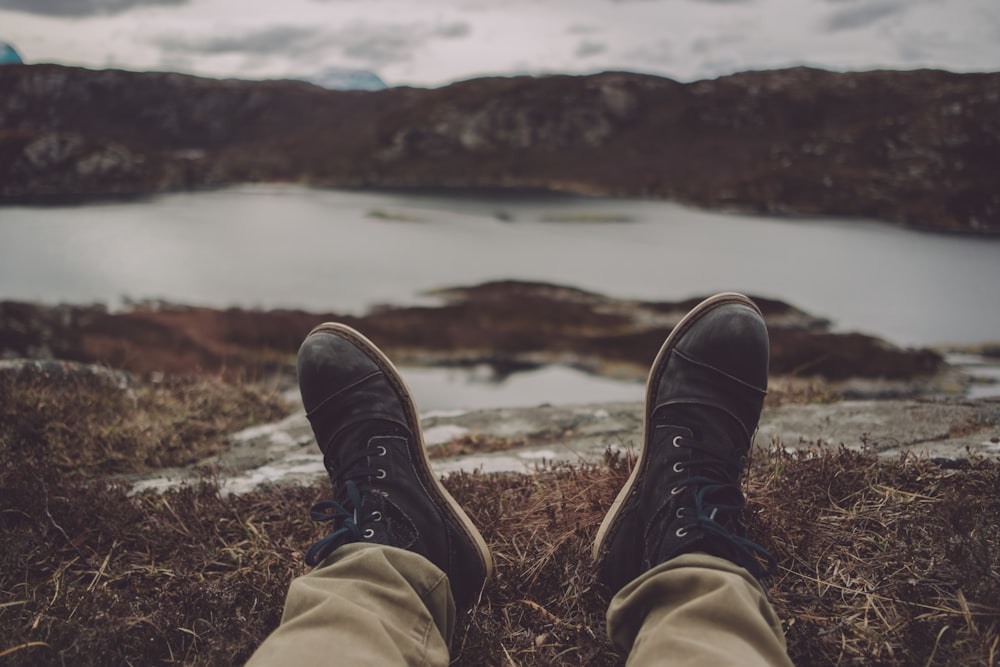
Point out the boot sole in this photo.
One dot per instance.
(609, 526)
(418, 450)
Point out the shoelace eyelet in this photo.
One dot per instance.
(681, 532)
(376, 516)
(678, 467)
(368, 534)
(382, 451)
(674, 491)
(380, 473)
(677, 441)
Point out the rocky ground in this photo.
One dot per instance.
(915, 147)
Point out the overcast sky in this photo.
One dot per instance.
(432, 42)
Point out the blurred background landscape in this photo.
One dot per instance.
(517, 201)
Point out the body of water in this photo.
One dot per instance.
(436, 389)
(322, 250)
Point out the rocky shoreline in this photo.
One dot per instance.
(919, 148)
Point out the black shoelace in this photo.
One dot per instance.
(352, 483)
(718, 478)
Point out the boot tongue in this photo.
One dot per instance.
(354, 438)
(720, 447)
(718, 431)
(721, 444)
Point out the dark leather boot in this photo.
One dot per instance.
(384, 490)
(703, 401)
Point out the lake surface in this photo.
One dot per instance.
(444, 389)
(322, 250)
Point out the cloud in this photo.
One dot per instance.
(286, 40)
(713, 2)
(859, 16)
(454, 30)
(708, 44)
(918, 46)
(379, 45)
(656, 53)
(913, 52)
(79, 8)
(588, 48)
(371, 45)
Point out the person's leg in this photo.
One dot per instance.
(366, 605)
(696, 609)
(673, 547)
(401, 554)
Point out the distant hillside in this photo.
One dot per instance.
(920, 148)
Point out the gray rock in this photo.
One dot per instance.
(285, 452)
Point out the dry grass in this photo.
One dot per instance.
(881, 562)
(474, 443)
(83, 425)
(788, 390)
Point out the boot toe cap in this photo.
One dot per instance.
(329, 363)
(732, 338)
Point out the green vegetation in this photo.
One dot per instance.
(880, 562)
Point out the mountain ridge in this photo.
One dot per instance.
(919, 148)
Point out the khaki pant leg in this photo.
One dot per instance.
(364, 605)
(696, 609)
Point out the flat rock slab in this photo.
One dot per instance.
(946, 429)
(524, 438)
